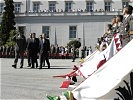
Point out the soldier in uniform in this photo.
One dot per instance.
(73, 53)
(131, 29)
(19, 49)
(127, 11)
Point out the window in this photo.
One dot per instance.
(45, 30)
(17, 7)
(36, 6)
(68, 6)
(89, 6)
(107, 6)
(72, 31)
(1, 7)
(52, 6)
(125, 3)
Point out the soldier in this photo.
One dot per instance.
(127, 11)
(73, 53)
(19, 49)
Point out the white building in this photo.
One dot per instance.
(64, 20)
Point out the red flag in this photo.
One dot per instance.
(65, 84)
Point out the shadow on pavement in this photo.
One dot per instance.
(52, 67)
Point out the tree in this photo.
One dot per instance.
(7, 23)
(76, 43)
(9, 42)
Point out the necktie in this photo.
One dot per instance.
(43, 40)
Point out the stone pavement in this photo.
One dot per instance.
(33, 84)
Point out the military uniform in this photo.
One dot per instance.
(19, 49)
(126, 27)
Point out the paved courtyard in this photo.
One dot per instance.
(30, 83)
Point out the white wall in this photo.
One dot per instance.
(94, 25)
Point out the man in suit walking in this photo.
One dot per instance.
(34, 47)
(28, 49)
(19, 48)
(44, 51)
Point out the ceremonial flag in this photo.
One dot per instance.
(113, 74)
(65, 84)
(98, 60)
(101, 63)
(75, 68)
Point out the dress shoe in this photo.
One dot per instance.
(21, 66)
(43, 65)
(49, 67)
(14, 66)
(36, 66)
(28, 66)
(40, 67)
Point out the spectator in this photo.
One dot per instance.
(83, 52)
(119, 23)
(57, 51)
(12, 51)
(62, 50)
(108, 35)
(114, 24)
(52, 51)
(7, 51)
(4, 51)
(1, 49)
(89, 50)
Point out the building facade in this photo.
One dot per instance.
(65, 20)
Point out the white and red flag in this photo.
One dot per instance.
(103, 83)
(89, 67)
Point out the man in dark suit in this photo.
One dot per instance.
(19, 48)
(28, 49)
(127, 11)
(44, 51)
(34, 47)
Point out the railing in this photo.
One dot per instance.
(67, 13)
